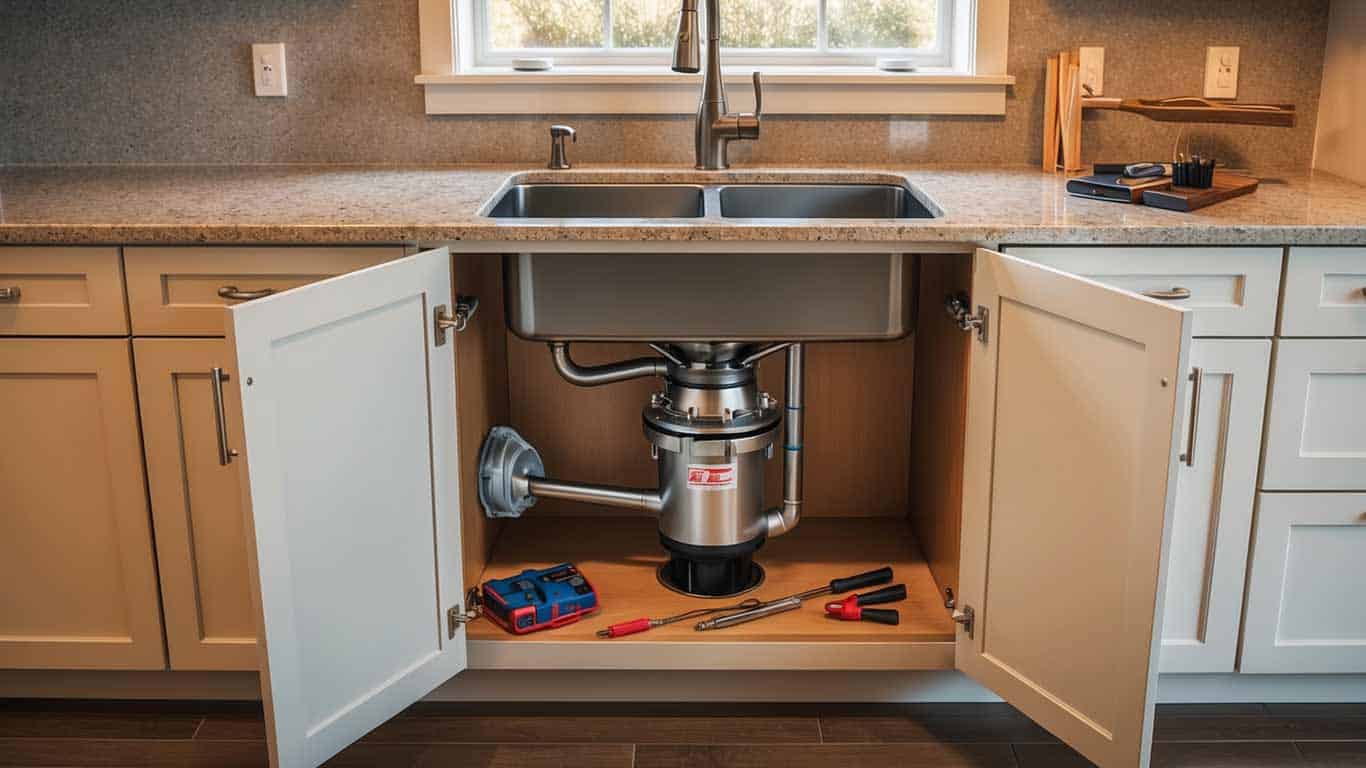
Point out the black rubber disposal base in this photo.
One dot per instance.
(722, 577)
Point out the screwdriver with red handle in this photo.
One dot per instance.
(852, 608)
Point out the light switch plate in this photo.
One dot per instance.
(268, 69)
(1092, 60)
(1221, 72)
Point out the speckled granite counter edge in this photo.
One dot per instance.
(33, 234)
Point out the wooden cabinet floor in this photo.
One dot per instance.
(631, 735)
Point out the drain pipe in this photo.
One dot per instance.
(606, 495)
(782, 519)
(595, 375)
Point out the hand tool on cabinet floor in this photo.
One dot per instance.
(793, 602)
(623, 628)
(852, 608)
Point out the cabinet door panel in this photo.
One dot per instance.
(348, 406)
(1305, 612)
(196, 504)
(1069, 482)
(77, 578)
(1316, 437)
(1214, 497)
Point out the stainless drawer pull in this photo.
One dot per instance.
(231, 292)
(1177, 293)
(1197, 378)
(9, 294)
(216, 379)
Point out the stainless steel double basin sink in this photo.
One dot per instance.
(730, 201)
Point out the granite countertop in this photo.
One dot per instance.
(429, 204)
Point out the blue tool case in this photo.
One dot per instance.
(539, 599)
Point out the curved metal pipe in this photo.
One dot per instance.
(648, 500)
(595, 375)
(782, 519)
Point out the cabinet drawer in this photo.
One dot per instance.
(182, 291)
(1325, 292)
(61, 292)
(1232, 290)
(1316, 434)
(1304, 606)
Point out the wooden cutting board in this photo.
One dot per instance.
(1226, 186)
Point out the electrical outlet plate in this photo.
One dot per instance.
(1221, 72)
(268, 69)
(1092, 61)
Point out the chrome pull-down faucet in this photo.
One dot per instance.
(716, 125)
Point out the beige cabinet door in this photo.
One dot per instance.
(77, 578)
(1075, 392)
(196, 503)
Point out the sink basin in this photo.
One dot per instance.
(599, 201)
(821, 201)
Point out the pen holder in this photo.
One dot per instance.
(1196, 172)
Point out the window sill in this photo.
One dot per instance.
(624, 90)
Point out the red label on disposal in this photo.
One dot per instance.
(711, 477)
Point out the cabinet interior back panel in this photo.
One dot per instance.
(858, 424)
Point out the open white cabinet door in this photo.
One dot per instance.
(348, 406)
(1068, 489)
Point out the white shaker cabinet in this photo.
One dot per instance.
(1316, 432)
(348, 401)
(1305, 607)
(1215, 492)
(1325, 292)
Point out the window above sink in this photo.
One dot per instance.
(615, 67)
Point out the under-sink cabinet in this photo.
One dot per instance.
(357, 447)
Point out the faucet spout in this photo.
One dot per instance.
(687, 43)
(716, 125)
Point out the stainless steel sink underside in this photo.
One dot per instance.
(553, 201)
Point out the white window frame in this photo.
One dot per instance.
(973, 83)
(938, 58)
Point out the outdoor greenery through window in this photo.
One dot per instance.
(782, 31)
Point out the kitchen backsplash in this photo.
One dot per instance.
(144, 81)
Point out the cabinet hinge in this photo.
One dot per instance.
(964, 616)
(959, 308)
(464, 613)
(443, 319)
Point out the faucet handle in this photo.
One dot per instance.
(747, 123)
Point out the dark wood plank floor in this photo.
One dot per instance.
(231, 735)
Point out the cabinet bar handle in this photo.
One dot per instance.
(1177, 293)
(220, 418)
(1197, 378)
(232, 292)
(9, 294)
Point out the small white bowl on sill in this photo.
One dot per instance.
(533, 64)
